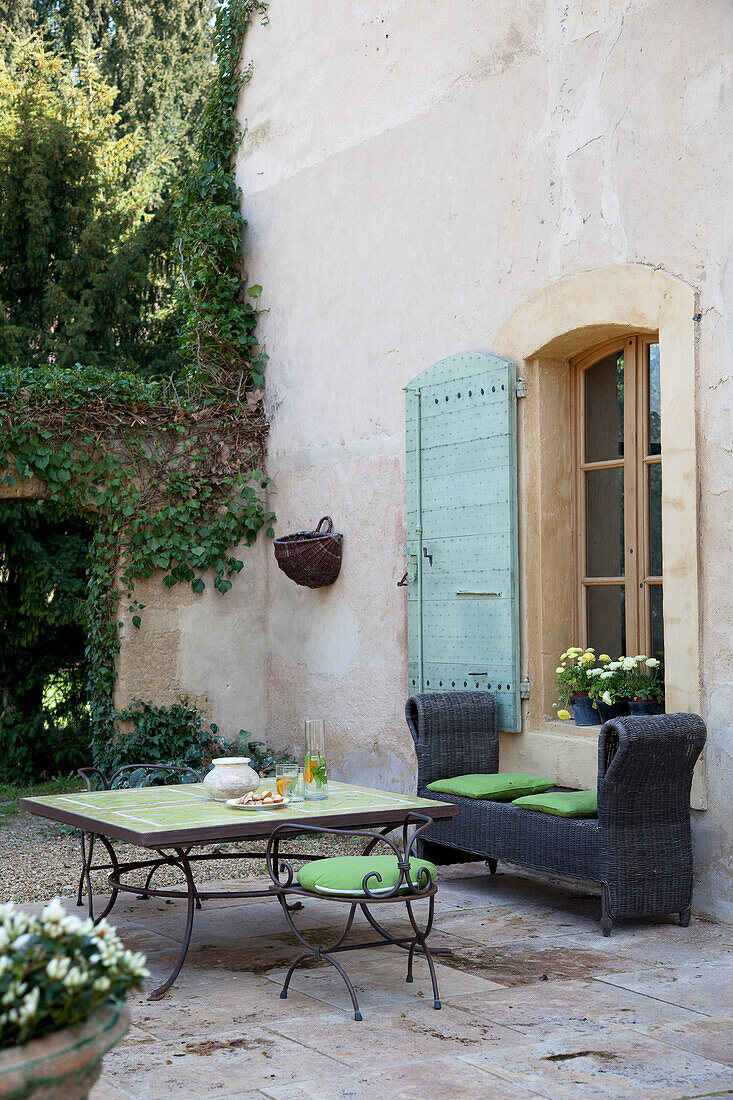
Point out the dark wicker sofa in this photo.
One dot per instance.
(639, 848)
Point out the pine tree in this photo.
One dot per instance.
(156, 58)
(74, 269)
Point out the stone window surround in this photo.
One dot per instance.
(562, 321)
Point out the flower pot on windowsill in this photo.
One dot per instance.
(616, 710)
(645, 706)
(584, 713)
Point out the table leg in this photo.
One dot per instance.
(191, 898)
(88, 841)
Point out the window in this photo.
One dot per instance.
(619, 497)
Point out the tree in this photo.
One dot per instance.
(157, 54)
(44, 724)
(150, 66)
(74, 273)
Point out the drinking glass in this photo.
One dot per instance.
(315, 779)
(286, 781)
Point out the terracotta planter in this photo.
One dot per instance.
(64, 1065)
(584, 713)
(645, 706)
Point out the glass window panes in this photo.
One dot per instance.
(657, 620)
(604, 409)
(606, 618)
(655, 519)
(604, 518)
(655, 406)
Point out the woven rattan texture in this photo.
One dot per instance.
(455, 733)
(645, 769)
(311, 558)
(639, 848)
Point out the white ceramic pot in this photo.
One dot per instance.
(231, 777)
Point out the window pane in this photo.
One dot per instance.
(657, 620)
(655, 405)
(604, 409)
(604, 523)
(655, 519)
(606, 618)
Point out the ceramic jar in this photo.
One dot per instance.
(231, 777)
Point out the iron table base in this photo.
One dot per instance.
(193, 895)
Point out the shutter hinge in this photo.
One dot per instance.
(521, 388)
(524, 689)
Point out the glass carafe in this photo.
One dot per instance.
(315, 780)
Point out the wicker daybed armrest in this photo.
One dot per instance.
(455, 733)
(646, 762)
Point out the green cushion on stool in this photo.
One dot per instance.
(562, 803)
(499, 787)
(345, 874)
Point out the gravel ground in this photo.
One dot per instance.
(40, 859)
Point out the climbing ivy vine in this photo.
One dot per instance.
(170, 472)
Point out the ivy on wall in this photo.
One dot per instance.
(169, 472)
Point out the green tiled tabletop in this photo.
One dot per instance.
(157, 816)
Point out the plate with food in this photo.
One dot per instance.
(259, 800)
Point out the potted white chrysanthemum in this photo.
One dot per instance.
(646, 687)
(63, 983)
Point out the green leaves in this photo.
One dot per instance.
(218, 334)
(162, 468)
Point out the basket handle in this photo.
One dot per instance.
(329, 529)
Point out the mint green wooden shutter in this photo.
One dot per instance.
(462, 600)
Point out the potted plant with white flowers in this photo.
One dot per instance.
(645, 686)
(574, 683)
(609, 688)
(63, 983)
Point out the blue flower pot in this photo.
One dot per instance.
(645, 706)
(616, 710)
(583, 712)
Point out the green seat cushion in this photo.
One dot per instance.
(345, 874)
(562, 803)
(499, 787)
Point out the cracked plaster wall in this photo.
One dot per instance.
(412, 174)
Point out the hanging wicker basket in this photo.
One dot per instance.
(311, 558)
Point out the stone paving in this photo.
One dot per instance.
(535, 1004)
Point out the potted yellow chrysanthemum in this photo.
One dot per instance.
(574, 682)
(63, 983)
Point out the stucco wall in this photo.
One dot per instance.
(413, 173)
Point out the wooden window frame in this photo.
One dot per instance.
(638, 579)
